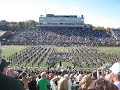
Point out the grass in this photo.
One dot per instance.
(63, 49)
(110, 50)
(11, 49)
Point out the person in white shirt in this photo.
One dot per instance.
(114, 76)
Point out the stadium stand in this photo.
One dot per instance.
(116, 35)
(71, 32)
(62, 36)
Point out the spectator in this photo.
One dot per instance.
(63, 84)
(32, 83)
(85, 82)
(25, 80)
(11, 72)
(54, 82)
(43, 83)
(102, 84)
(115, 74)
(7, 82)
(69, 81)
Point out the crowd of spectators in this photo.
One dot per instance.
(102, 78)
(116, 34)
(38, 79)
(62, 36)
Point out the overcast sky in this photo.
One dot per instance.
(96, 12)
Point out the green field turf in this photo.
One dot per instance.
(11, 49)
(110, 50)
(63, 49)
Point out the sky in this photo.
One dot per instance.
(104, 13)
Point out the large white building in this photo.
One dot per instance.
(61, 20)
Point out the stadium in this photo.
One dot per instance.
(62, 38)
(61, 46)
(41, 46)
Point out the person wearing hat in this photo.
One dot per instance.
(4, 66)
(7, 82)
(114, 76)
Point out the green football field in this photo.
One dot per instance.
(110, 50)
(11, 49)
